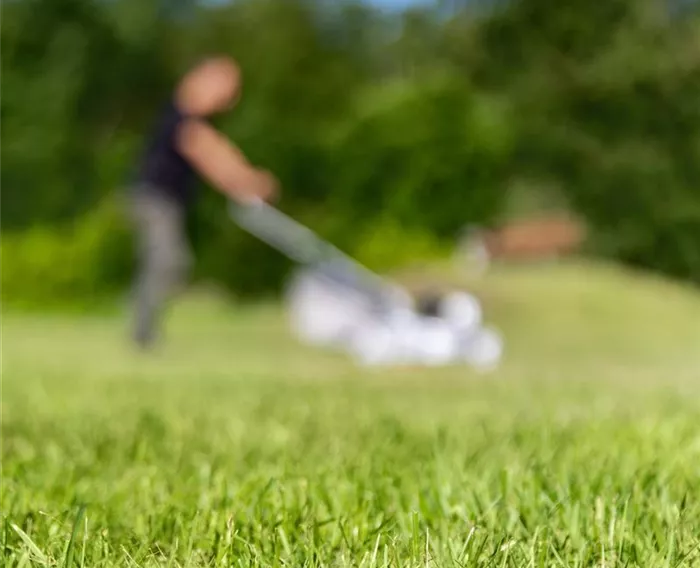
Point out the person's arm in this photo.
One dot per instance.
(222, 164)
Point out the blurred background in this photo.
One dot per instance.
(391, 125)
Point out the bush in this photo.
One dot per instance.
(79, 264)
(430, 155)
(626, 158)
(387, 246)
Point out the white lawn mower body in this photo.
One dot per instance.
(334, 302)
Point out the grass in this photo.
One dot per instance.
(233, 446)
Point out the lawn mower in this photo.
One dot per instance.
(335, 302)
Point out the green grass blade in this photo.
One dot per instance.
(33, 548)
(74, 533)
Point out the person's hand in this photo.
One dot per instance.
(260, 185)
(266, 186)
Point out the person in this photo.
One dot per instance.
(182, 148)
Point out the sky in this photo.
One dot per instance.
(383, 4)
(398, 3)
(391, 4)
(394, 3)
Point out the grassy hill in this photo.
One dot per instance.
(233, 445)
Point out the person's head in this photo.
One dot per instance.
(210, 87)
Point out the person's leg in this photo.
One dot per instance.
(164, 261)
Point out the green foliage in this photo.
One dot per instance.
(418, 121)
(72, 86)
(388, 245)
(429, 154)
(78, 263)
(620, 133)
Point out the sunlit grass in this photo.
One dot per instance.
(232, 445)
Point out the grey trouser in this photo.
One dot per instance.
(164, 258)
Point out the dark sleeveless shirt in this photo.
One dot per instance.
(162, 169)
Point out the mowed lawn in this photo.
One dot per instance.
(234, 446)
